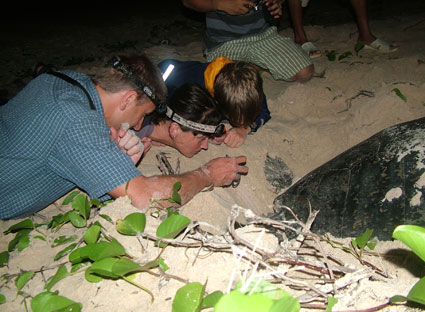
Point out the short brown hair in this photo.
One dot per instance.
(113, 80)
(238, 90)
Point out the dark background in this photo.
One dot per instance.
(72, 33)
(318, 12)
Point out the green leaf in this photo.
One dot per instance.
(91, 277)
(77, 220)
(332, 301)
(125, 266)
(58, 220)
(399, 94)
(114, 267)
(75, 307)
(105, 203)
(371, 244)
(397, 298)
(4, 258)
(63, 240)
(64, 251)
(211, 300)
(358, 47)
(2, 299)
(162, 265)
(95, 202)
(188, 298)
(60, 274)
(149, 265)
(344, 55)
(25, 224)
(177, 186)
(40, 237)
(107, 218)
(70, 197)
(175, 197)
(79, 255)
(21, 235)
(77, 266)
(103, 250)
(23, 242)
(361, 241)
(92, 234)
(265, 288)
(413, 236)
(235, 301)
(22, 279)
(171, 211)
(81, 204)
(331, 55)
(171, 227)
(417, 293)
(49, 302)
(286, 304)
(126, 187)
(132, 224)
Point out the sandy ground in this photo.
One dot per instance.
(311, 123)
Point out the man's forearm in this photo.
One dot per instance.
(220, 171)
(201, 5)
(143, 189)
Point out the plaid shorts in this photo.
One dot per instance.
(281, 56)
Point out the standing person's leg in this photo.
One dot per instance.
(300, 37)
(365, 34)
(296, 12)
(360, 9)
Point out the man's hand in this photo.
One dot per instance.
(235, 137)
(232, 7)
(223, 171)
(235, 7)
(275, 7)
(129, 143)
(147, 144)
(218, 140)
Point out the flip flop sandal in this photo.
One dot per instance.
(381, 45)
(311, 50)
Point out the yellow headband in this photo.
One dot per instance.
(212, 70)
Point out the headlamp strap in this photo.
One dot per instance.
(188, 123)
(116, 63)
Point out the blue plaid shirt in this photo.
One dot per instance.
(51, 142)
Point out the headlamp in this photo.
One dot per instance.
(217, 131)
(167, 72)
(116, 63)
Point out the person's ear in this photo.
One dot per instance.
(128, 99)
(174, 130)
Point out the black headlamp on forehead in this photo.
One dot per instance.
(217, 131)
(116, 63)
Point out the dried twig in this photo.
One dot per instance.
(360, 93)
(164, 165)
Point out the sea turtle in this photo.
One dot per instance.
(377, 184)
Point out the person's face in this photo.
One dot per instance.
(190, 145)
(135, 114)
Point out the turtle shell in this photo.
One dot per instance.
(377, 184)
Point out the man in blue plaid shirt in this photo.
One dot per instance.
(55, 135)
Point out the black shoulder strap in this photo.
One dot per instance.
(74, 82)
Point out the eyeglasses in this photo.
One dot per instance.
(217, 131)
(116, 63)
